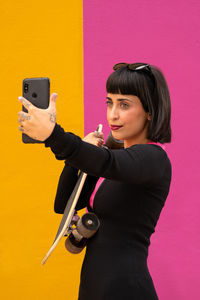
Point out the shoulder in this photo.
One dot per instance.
(149, 150)
(153, 159)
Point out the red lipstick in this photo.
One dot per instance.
(115, 127)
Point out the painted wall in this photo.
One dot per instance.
(164, 33)
(38, 38)
(45, 39)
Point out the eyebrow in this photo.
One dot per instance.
(119, 99)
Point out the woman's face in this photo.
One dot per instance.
(127, 119)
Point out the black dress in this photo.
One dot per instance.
(128, 204)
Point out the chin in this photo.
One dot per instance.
(117, 136)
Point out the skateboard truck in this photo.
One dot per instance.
(85, 228)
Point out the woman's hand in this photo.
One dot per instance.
(94, 138)
(38, 123)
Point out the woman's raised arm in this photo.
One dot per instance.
(139, 164)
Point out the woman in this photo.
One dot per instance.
(137, 178)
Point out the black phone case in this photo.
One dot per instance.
(37, 91)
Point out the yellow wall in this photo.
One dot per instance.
(38, 38)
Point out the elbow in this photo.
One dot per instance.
(58, 209)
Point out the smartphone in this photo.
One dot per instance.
(37, 91)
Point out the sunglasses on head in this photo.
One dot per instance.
(136, 67)
(133, 67)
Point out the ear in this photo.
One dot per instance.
(148, 116)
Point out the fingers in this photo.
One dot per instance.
(27, 104)
(22, 116)
(21, 128)
(99, 134)
(21, 122)
(37, 123)
(52, 103)
(99, 138)
(91, 138)
(100, 142)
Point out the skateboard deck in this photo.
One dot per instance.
(64, 227)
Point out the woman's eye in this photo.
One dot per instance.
(108, 103)
(124, 105)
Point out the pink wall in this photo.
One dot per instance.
(165, 33)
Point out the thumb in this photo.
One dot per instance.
(52, 102)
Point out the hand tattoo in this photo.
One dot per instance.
(26, 103)
(53, 117)
(22, 115)
(21, 128)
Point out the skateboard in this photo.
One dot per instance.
(77, 230)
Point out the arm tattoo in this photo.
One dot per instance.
(52, 117)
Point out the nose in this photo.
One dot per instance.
(113, 113)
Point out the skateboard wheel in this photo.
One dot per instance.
(74, 246)
(87, 225)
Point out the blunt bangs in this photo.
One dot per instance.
(127, 82)
(122, 81)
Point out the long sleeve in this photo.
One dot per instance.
(66, 184)
(139, 164)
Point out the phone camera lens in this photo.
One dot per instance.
(34, 95)
(26, 88)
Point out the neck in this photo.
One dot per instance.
(141, 138)
(129, 143)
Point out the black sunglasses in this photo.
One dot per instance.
(136, 67)
(133, 67)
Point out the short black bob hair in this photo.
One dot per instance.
(150, 86)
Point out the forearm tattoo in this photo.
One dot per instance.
(52, 117)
